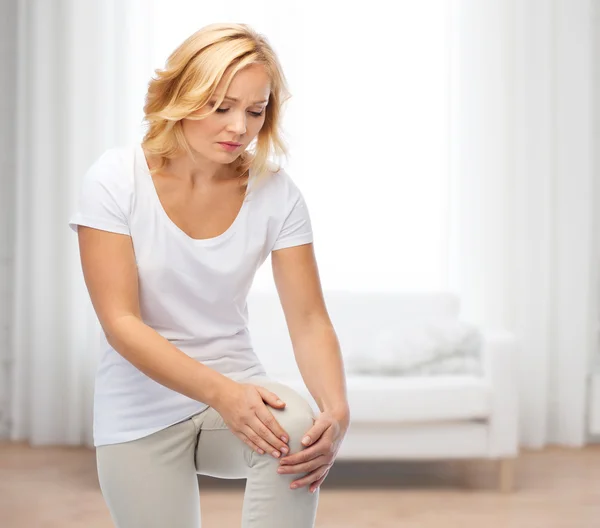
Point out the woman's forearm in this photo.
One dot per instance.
(160, 360)
(319, 359)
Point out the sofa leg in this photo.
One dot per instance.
(506, 474)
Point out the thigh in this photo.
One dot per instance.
(221, 454)
(151, 482)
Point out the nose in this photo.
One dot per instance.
(237, 124)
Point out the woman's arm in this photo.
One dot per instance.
(314, 340)
(318, 355)
(110, 274)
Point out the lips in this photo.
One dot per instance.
(230, 143)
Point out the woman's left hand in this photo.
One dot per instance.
(324, 439)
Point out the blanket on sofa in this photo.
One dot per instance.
(418, 348)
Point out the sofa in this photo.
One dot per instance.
(404, 416)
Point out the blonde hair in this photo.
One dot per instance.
(190, 78)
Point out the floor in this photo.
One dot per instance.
(556, 488)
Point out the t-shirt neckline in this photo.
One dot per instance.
(230, 231)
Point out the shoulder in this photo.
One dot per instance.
(279, 184)
(112, 158)
(113, 168)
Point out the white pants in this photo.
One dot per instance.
(152, 482)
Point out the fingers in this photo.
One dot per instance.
(317, 483)
(266, 425)
(266, 434)
(274, 433)
(256, 422)
(262, 446)
(270, 397)
(306, 462)
(303, 456)
(305, 467)
(250, 443)
(314, 476)
(315, 432)
(258, 440)
(319, 446)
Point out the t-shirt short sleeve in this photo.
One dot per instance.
(296, 228)
(105, 195)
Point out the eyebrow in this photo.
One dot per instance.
(236, 100)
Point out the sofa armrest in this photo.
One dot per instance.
(499, 354)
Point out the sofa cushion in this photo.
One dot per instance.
(386, 399)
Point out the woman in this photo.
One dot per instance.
(171, 233)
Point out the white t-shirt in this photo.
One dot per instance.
(192, 292)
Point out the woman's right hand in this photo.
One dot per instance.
(243, 410)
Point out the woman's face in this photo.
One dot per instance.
(239, 118)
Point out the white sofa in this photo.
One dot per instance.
(457, 416)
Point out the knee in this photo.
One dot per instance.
(296, 418)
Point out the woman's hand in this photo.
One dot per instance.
(324, 438)
(242, 407)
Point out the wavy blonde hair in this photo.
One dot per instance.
(190, 78)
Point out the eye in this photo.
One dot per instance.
(223, 110)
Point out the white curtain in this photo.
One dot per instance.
(523, 197)
(8, 89)
(81, 67)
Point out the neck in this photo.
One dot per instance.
(202, 172)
